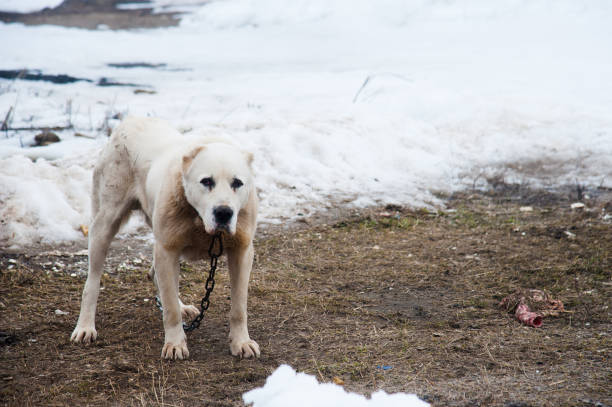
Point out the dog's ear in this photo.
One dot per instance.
(188, 158)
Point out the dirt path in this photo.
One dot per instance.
(416, 291)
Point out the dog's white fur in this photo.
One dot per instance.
(149, 166)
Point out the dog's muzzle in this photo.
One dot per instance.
(223, 216)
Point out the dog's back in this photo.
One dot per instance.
(124, 162)
(143, 139)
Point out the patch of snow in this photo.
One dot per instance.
(42, 201)
(284, 387)
(27, 6)
(182, 6)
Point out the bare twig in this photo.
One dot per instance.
(369, 78)
(69, 112)
(227, 115)
(318, 370)
(363, 85)
(188, 107)
(423, 368)
(43, 128)
(7, 119)
(84, 136)
(579, 191)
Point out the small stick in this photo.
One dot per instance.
(361, 88)
(56, 128)
(318, 370)
(6, 119)
(370, 77)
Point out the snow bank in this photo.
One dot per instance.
(233, 14)
(348, 103)
(42, 201)
(27, 6)
(284, 387)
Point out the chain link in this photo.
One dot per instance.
(216, 242)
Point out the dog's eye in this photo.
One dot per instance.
(208, 182)
(236, 183)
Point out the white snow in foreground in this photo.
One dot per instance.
(27, 6)
(349, 103)
(284, 387)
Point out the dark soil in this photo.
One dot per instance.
(414, 290)
(91, 14)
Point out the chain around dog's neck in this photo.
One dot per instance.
(215, 243)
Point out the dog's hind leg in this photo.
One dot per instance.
(187, 311)
(105, 225)
(111, 202)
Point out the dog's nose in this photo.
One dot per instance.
(223, 214)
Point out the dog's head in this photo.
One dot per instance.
(217, 180)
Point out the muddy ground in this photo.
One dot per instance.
(414, 290)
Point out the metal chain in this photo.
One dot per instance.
(210, 283)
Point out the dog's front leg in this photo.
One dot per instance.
(167, 276)
(240, 261)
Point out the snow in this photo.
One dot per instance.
(344, 103)
(284, 387)
(50, 196)
(27, 6)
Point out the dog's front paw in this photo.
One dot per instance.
(245, 349)
(85, 334)
(175, 350)
(175, 346)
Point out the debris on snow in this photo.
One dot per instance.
(45, 138)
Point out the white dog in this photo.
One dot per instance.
(188, 190)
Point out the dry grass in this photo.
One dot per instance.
(417, 291)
